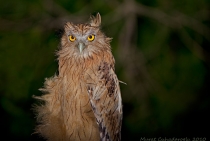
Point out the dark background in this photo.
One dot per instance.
(162, 52)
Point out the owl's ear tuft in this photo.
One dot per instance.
(68, 25)
(95, 21)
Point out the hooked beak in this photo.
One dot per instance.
(81, 46)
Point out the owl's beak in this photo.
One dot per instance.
(81, 46)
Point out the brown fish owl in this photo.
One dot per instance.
(83, 102)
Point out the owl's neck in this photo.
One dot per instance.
(77, 65)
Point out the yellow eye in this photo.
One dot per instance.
(91, 37)
(72, 38)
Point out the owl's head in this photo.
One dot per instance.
(84, 39)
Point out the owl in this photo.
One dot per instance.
(83, 101)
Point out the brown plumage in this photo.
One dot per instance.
(82, 102)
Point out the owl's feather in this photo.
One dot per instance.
(104, 93)
(82, 102)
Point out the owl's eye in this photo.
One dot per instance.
(72, 38)
(91, 37)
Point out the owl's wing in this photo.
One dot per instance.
(105, 98)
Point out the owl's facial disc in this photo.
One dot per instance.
(81, 46)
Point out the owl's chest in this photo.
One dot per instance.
(75, 83)
(77, 74)
(77, 114)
